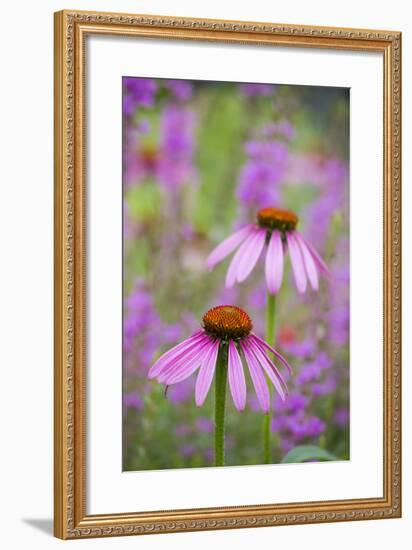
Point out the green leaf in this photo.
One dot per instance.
(303, 453)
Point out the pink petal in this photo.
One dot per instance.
(231, 274)
(186, 366)
(251, 256)
(181, 360)
(227, 246)
(174, 352)
(296, 259)
(236, 377)
(270, 369)
(264, 344)
(309, 262)
(323, 268)
(205, 376)
(258, 378)
(274, 263)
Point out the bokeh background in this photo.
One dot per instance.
(199, 159)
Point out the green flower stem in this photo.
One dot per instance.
(270, 339)
(266, 438)
(220, 402)
(270, 319)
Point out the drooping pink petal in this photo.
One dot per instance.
(227, 246)
(205, 376)
(251, 256)
(189, 367)
(264, 360)
(274, 263)
(270, 369)
(311, 270)
(258, 378)
(172, 353)
(180, 355)
(181, 360)
(231, 275)
(296, 260)
(236, 377)
(323, 268)
(264, 344)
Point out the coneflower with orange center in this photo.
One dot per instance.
(222, 348)
(275, 228)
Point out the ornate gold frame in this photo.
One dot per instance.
(71, 520)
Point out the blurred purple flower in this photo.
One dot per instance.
(302, 427)
(294, 402)
(341, 417)
(138, 92)
(286, 445)
(172, 333)
(170, 159)
(338, 325)
(140, 315)
(338, 316)
(324, 388)
(178, 393)
(255, 89)
(177, 126)
(257, 298)
(308, 373)
(227, 295)
(205, 424)
(295, 428)
(144, 332)
(187, 231)
(285, 129)
(260, 177)
(305, 348)
(332, 179)
(187, 450)
(323, 361)
(132, 400)
(129, 106)
(181, 89)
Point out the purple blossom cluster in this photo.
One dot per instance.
(295, 420)
(168, 158)
(261, 176)
(141, 93)
(138, 92)
(331, 177)
(337, 315)
(181, 90)
(143, 330)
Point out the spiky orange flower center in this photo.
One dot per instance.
(227, 322)
(276, 218)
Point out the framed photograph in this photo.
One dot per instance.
(227, 274)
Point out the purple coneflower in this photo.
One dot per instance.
(227, 329)
(221, 349)
(277, 229)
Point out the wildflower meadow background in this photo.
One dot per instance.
(199, 160)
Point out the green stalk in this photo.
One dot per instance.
(270, 339)
(270, 318)
(220, 402)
